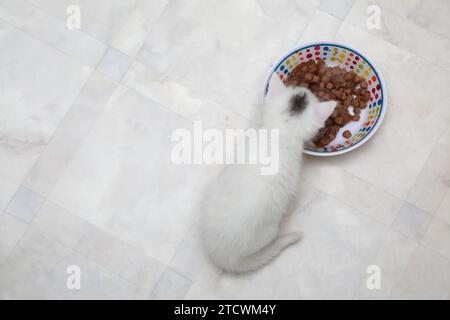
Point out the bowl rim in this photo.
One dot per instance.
(288, 53)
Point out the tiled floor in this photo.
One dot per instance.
(85, 172)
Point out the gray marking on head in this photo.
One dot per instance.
(298, 103)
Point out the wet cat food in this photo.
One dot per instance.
(347, 134)
(332, 84)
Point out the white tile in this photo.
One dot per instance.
(74, 43)
(433, 182)
(427, 194)
(208, 277)
(426, 277)
(101, 19)
(412, 222)
(25, 275)
(431, 15)
(120, 258)
(143, 271)
(122, 179)
(38, 269)
(189, 259)
(306, 195)
(337, 8)
(387, 285)
(116, 256)
(7, 189)
(392, 259)
(231, 286)
(322, 26)
(96, 282)
(197, 292)
(213, 115)
(11, 230)
(172, 285)
(443, 212)
(438, 237)
(25, 204)
(338, 246)
(203, 57)
(114, 64)
(397, 28)
(137, 25)
(41, 94)
(355, 192)
(395, 255)
(166, 92)
(59, 225)
(74, 127)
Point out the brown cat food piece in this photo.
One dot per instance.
(347, 101)
(339, 121)
(347, 134)
(363, 84)
(326, 77)
(312, 68)
(329, 122)
(362, 104)
(314, 87)
(348, 77)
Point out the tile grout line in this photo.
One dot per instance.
(69, 106)
(348, 11)
(433, 214)
(306, 26)
(57, 18)
(98, 230)
(443, 66)
(383, 241)
(86, 133)
(53, 136)
(47, 144)
(149, 32)
(162, 274)
(75, 250)
(81, 64)
(419, 245)
(17, 242)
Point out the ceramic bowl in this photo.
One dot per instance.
(343, 55)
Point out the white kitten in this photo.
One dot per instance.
(242, 209)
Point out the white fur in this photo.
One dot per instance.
(242, 209)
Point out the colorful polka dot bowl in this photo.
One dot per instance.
(338, 54)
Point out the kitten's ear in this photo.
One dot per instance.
(276, 86)
(324, 110)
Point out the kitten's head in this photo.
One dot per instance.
(298, 110)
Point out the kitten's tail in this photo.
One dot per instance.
(265, 255)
